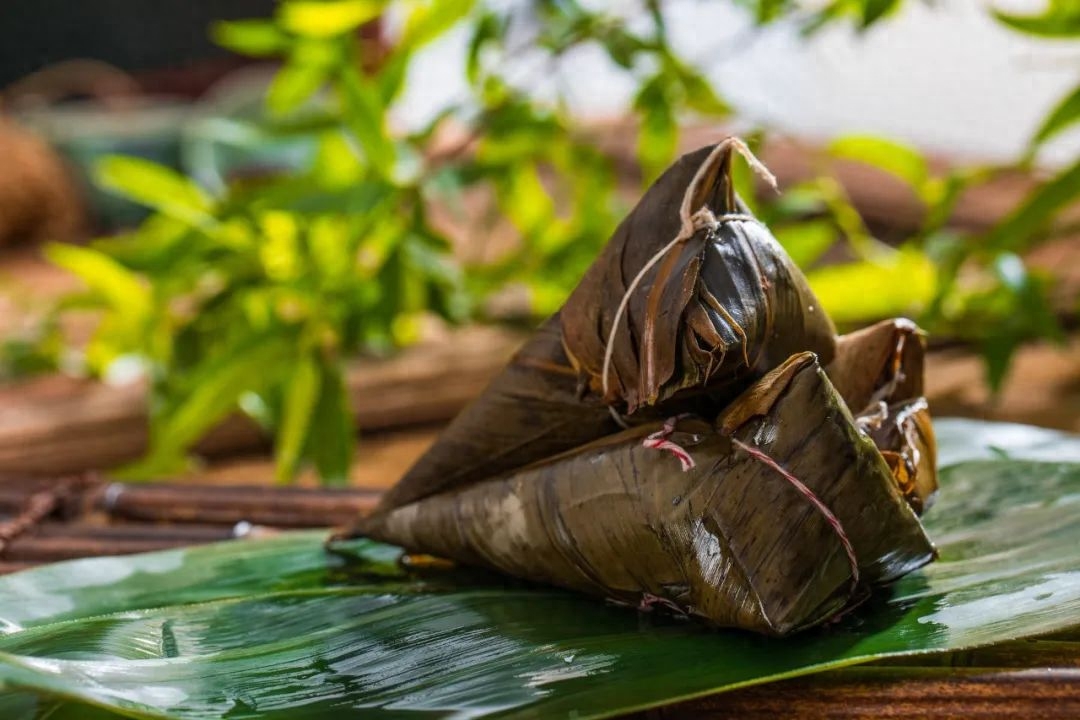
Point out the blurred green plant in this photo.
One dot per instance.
(251, 299)
(252, 296)
(984, 291)
(972, 286)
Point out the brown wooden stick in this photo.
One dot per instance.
(188, 532)
(35, 549)
(280, 507)
(38, 505)
(118, 519)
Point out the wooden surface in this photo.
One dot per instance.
(873, 692)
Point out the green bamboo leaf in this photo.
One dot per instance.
(525, 200)
(874, 10)
(1016, 310)
(1064, 115)
(621, 47)
(332, 438)
(327, 19)
(294, 84)
(1061, 20)
(899, 284)
(216, 387)
(392, 75)
(658, 136)
(702, 98)
(255, 38)
(899, 160)
(766, 11)
(301, 396)
(366, 118)
(120, 288)
(154, 185)
(1021, 229)
(279, 628)
(806, 241)
(486, 30)
(745, 181)
(431, 19)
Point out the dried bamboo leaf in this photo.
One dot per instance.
(619, 520)
(906, 441)
(723, 307)
(879, 373)
(883, 362)
(531, 410)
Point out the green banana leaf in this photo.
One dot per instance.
(278, 628)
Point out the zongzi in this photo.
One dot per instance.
(768, 474)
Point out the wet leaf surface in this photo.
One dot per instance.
(279, 628)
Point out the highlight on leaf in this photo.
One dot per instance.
(314, 19)
(901, 161)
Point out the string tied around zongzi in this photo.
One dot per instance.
(691, 221)
(660, 440)
(830, 517)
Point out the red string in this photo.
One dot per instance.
(659, 441)
(817, 503)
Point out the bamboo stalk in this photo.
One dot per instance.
(279, 507)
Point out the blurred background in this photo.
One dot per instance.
(240, 229)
